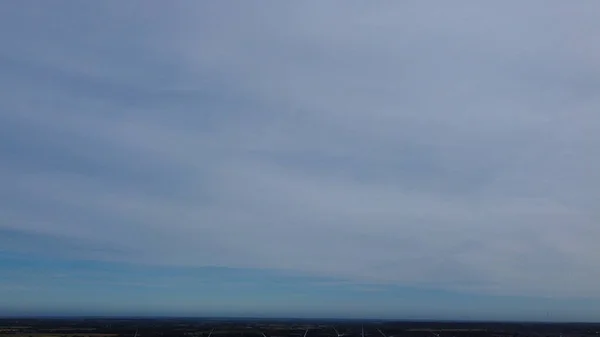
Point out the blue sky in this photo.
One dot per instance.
(422, 159)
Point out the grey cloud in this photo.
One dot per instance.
(439, 145)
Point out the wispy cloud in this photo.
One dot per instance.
(442, 146)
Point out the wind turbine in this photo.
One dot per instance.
(211, 331)
(306, 332)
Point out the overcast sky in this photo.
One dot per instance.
(357, 158)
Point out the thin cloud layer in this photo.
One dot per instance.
(439, 145)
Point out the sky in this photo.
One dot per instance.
(361, 159)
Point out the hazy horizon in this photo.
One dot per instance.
(256, 318)
(352, 159)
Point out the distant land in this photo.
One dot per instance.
(86, 326)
